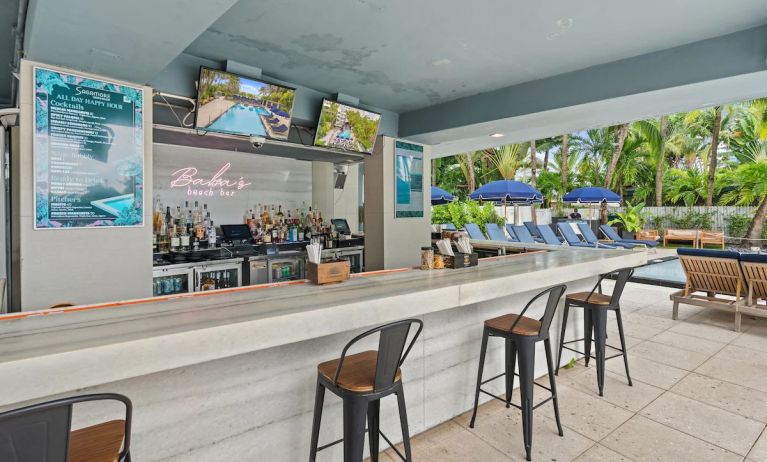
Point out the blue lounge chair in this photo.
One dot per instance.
(573, 240)
(495, 233)
(448, 227)
(548, 235)
(611, 234)
(592, 238)
(521, 233)
(474, 232)
(280, 129)
(532, 228)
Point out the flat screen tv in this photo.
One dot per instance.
(231, 103)
(346, 127)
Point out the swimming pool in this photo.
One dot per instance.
(665, 272)
(241, 119)
(115, 205)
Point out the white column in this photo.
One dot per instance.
(322, 188)
(392, 242)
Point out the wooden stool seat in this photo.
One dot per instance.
(358, 373)
(594, 298)
(526, 326)
(98, 443)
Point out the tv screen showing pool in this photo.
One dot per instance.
(231, 103)
(346, 127)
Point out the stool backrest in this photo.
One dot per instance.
(624, 274)
(555, 295)
(391, 350)
(40, 433)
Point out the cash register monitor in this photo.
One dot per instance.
(236, 233)
(342, 226)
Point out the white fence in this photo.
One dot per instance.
(719, 214)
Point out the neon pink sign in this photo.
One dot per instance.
(216, 185)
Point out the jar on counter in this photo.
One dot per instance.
(439, 261)
(427, 258)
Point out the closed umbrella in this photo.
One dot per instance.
(439, 196)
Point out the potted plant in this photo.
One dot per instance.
(631, 221)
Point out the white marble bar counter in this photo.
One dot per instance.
(242, 364)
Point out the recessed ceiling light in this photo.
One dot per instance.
(497, 135)
(565, 23)
(441, 62)
(552, 36)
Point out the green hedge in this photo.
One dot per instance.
(461, 212)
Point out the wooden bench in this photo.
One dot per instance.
(686, 235)
(715, 279)
(647, 235)
(710, 237)
(755, 270)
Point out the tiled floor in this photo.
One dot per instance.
(699, 394)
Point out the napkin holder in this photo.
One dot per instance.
(328, 272)
(461, 260)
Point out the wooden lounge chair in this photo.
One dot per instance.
(755, 270)
(648, 235)
(474, 232)
(685, 235)
(710, 237)
(717, 274)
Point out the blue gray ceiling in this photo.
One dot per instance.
(451, 69)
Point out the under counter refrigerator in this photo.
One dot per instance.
(172, 280)
(218, 275)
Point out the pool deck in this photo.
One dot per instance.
(699, 393)
(208, 113)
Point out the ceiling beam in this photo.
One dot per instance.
(131, 41)
(474, 118)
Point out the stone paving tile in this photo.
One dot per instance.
(687, 342)
(705, 331)
(664, 310)
(502, 429)
(717, 426)
(754, 338)
(599, 453)
(669, 355)
(729, 396)
(759, 451)
(616, 389)
(647, 371)
(737, 365)
(642, 439)
(450, 442)
(587, 414)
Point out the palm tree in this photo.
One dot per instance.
(687, 186)
(660, 160)
(533, 166)
(715, 127)
(620, 138)
(508, 159)
(564, 160)
(466, 162)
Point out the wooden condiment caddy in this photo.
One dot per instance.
(461, 260)
(328, 272)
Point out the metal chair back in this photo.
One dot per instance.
(624, 274)
(40, 433)
(391, 350)
(555, 295)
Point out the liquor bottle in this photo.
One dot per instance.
(196, 214)
(185, 238)
(300, 232)
(212, 235)
(175, 242)
(180, 217)
(206, 223)
(157, 215)
(280, 215)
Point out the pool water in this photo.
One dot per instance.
(120, 203)
(241, 119)
(662, 271)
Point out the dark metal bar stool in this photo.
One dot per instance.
(521, 334)
(43, 433)
(361, 380)
(596, 305)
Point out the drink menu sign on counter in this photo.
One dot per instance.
(88, 152)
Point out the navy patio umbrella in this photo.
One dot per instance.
(507, 192)
(439, 196)
(591, 195)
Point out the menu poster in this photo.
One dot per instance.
(88, 152)
(408, 164)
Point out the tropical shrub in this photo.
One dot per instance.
(737, 225)
(632, 220)
(461, 212)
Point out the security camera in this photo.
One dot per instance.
(257, 141)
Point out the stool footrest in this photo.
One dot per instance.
(517, 405)
(503, 374)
